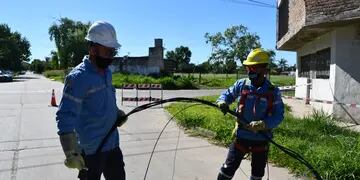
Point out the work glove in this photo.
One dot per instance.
(72, 151)
(223, 106)
(121, 118)
(233, 133)
(256, 126)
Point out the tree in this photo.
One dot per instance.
(69, 37)
(37, 66)
(230, 66)
(234, 44)
(272, 66)
(54, 60)
(204, 67)
(14, 49)
(217, 67)
(188, 68)
(25, 66)
(282, 63)
(181, 55)
(292, 68)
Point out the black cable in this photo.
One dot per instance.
(158, 138)
(290, 152)
(262, 3)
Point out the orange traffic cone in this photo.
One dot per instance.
(53, 100)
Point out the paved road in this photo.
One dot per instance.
(30, 149)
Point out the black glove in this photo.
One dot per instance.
(121, 118)
(223, 106)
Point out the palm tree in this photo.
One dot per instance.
(272, 55)
(282, 63)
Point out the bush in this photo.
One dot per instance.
(53, 73)
(185, 83)
(58, 75)
(168, 82)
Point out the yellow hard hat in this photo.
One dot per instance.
(257, 56)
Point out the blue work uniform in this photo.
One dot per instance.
(260, 106)
(255, 107)
(88, 107)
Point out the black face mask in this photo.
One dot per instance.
(253, 76)
(102, 62)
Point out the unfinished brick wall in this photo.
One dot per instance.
(307, 19)
(322, 11)
(295, 17)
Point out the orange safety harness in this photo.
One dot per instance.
(245, 92)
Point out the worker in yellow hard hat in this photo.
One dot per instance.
(261, 109)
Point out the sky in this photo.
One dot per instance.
(139, 22)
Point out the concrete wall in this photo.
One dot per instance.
(113, 68)
(343, 86)
(320, 88)
(151, 64)
(138, 69)
(308, 19)
(156, 55)
(347, 78)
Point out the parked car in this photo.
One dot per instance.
(6, 76)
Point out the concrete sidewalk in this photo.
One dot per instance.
(30, 149)
(194, 158)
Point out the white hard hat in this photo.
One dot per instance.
(103, 33)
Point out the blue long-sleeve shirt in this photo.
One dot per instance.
(88, 107)
(271, 120)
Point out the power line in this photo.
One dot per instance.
(251, 3)
(266, 4)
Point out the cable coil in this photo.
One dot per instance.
(288, 151)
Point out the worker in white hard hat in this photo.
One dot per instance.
(88, 110)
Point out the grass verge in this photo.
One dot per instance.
(177, 81)
(333, 151)
(57, 75)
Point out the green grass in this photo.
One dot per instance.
(224, 81)
(288, 93)
(179, 81)
(57, 75)
(333, 151)
(119, 79)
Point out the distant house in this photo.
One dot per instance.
(325, 34)
(154, 63)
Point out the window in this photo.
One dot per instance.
(319, 63)
(304, 70)
(323, 64)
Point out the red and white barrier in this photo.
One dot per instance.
(352, 105)
(137, 87)
(129, 86)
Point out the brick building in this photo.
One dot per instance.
(325, 34)
(154, 63)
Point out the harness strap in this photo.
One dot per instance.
(246, 91)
